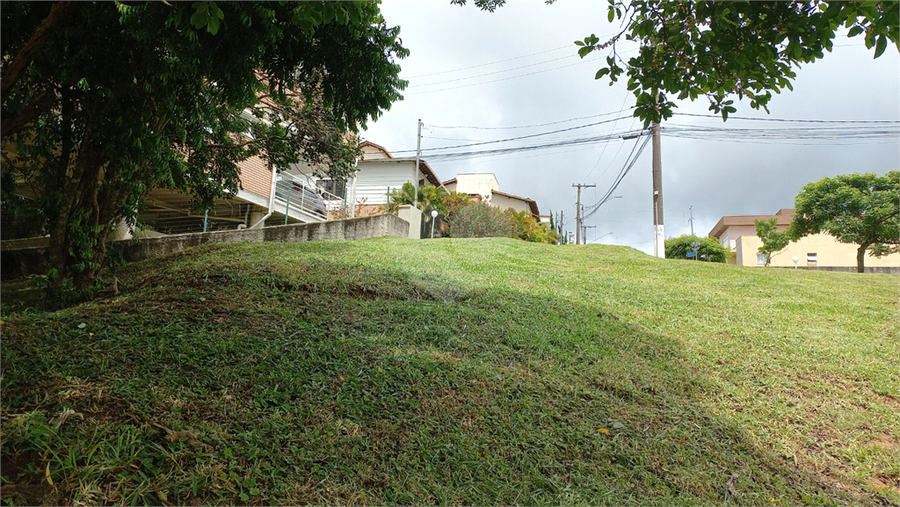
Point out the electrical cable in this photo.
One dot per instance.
(787, 119)
(498, 80)
(621, 176)
(412, 85)
(491, 63)
(539, 134)
(527, 126)
(605, 145)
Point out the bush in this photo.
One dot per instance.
(710, 249)
(478, 220)
(526, 228)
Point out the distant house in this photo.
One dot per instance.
(378, 173)
(485, 187)
(738, 234)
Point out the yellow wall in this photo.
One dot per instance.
(829, 252)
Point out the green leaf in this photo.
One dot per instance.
(585, 51)
(611, 15)
(600, 73)
(213, 26)
(880, 46)
(856, 30)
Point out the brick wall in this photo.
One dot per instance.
(255, 176)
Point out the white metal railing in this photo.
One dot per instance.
(296, 195)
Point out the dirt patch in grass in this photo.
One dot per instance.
(887, 442)
(23, 482)
(885, 483)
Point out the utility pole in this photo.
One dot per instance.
(560, 225)
(584, 229)
(691, 209)
(418, 155)
(579, 186)
(659, 236)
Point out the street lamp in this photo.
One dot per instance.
(796, 260)
(434, 215)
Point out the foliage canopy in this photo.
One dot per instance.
(724, 49)
(709, 249)
(102, 102)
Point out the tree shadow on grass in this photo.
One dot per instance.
(371, 387)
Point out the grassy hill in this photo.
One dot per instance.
(454, 371)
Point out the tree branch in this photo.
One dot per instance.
(14, 70)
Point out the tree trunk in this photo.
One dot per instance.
(861, 258)
(64, 190)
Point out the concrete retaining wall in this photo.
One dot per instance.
(19, 262)
(886, 270)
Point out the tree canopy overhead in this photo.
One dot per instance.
(720, 50)
(102, 102)
(863, 209)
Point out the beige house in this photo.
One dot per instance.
(738, 234)
(486, 188)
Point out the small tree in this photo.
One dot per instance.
(863, 209)
(773, 240)
(710, 249)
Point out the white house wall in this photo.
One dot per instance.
(375, 178)
(503, 202)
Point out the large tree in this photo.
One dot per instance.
(863, 209)
(720, 50)
(102, 102)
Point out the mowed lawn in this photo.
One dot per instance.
(483, 371)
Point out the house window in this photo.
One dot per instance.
(338, 188)
(760, 259)
(811, 258)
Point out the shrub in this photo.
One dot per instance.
(478, 220)
(710, 249)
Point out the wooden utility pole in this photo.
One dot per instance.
(584, 229)
(659, 236)
(415, 181)
(560, 225)
(579, 186)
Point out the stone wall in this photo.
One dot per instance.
(25, 259)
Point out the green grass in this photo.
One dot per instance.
(454, 372)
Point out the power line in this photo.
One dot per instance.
(517, 149)
(788, 119)
(492, 73)
(835, 135)
(502, 79)
(568, 129)
(491, 63)
(526, 126)
(621, 176)
(605, 145)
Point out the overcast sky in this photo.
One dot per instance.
(518, 67)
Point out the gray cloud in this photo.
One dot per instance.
(715, 177)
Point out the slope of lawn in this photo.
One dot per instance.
(484, 371)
